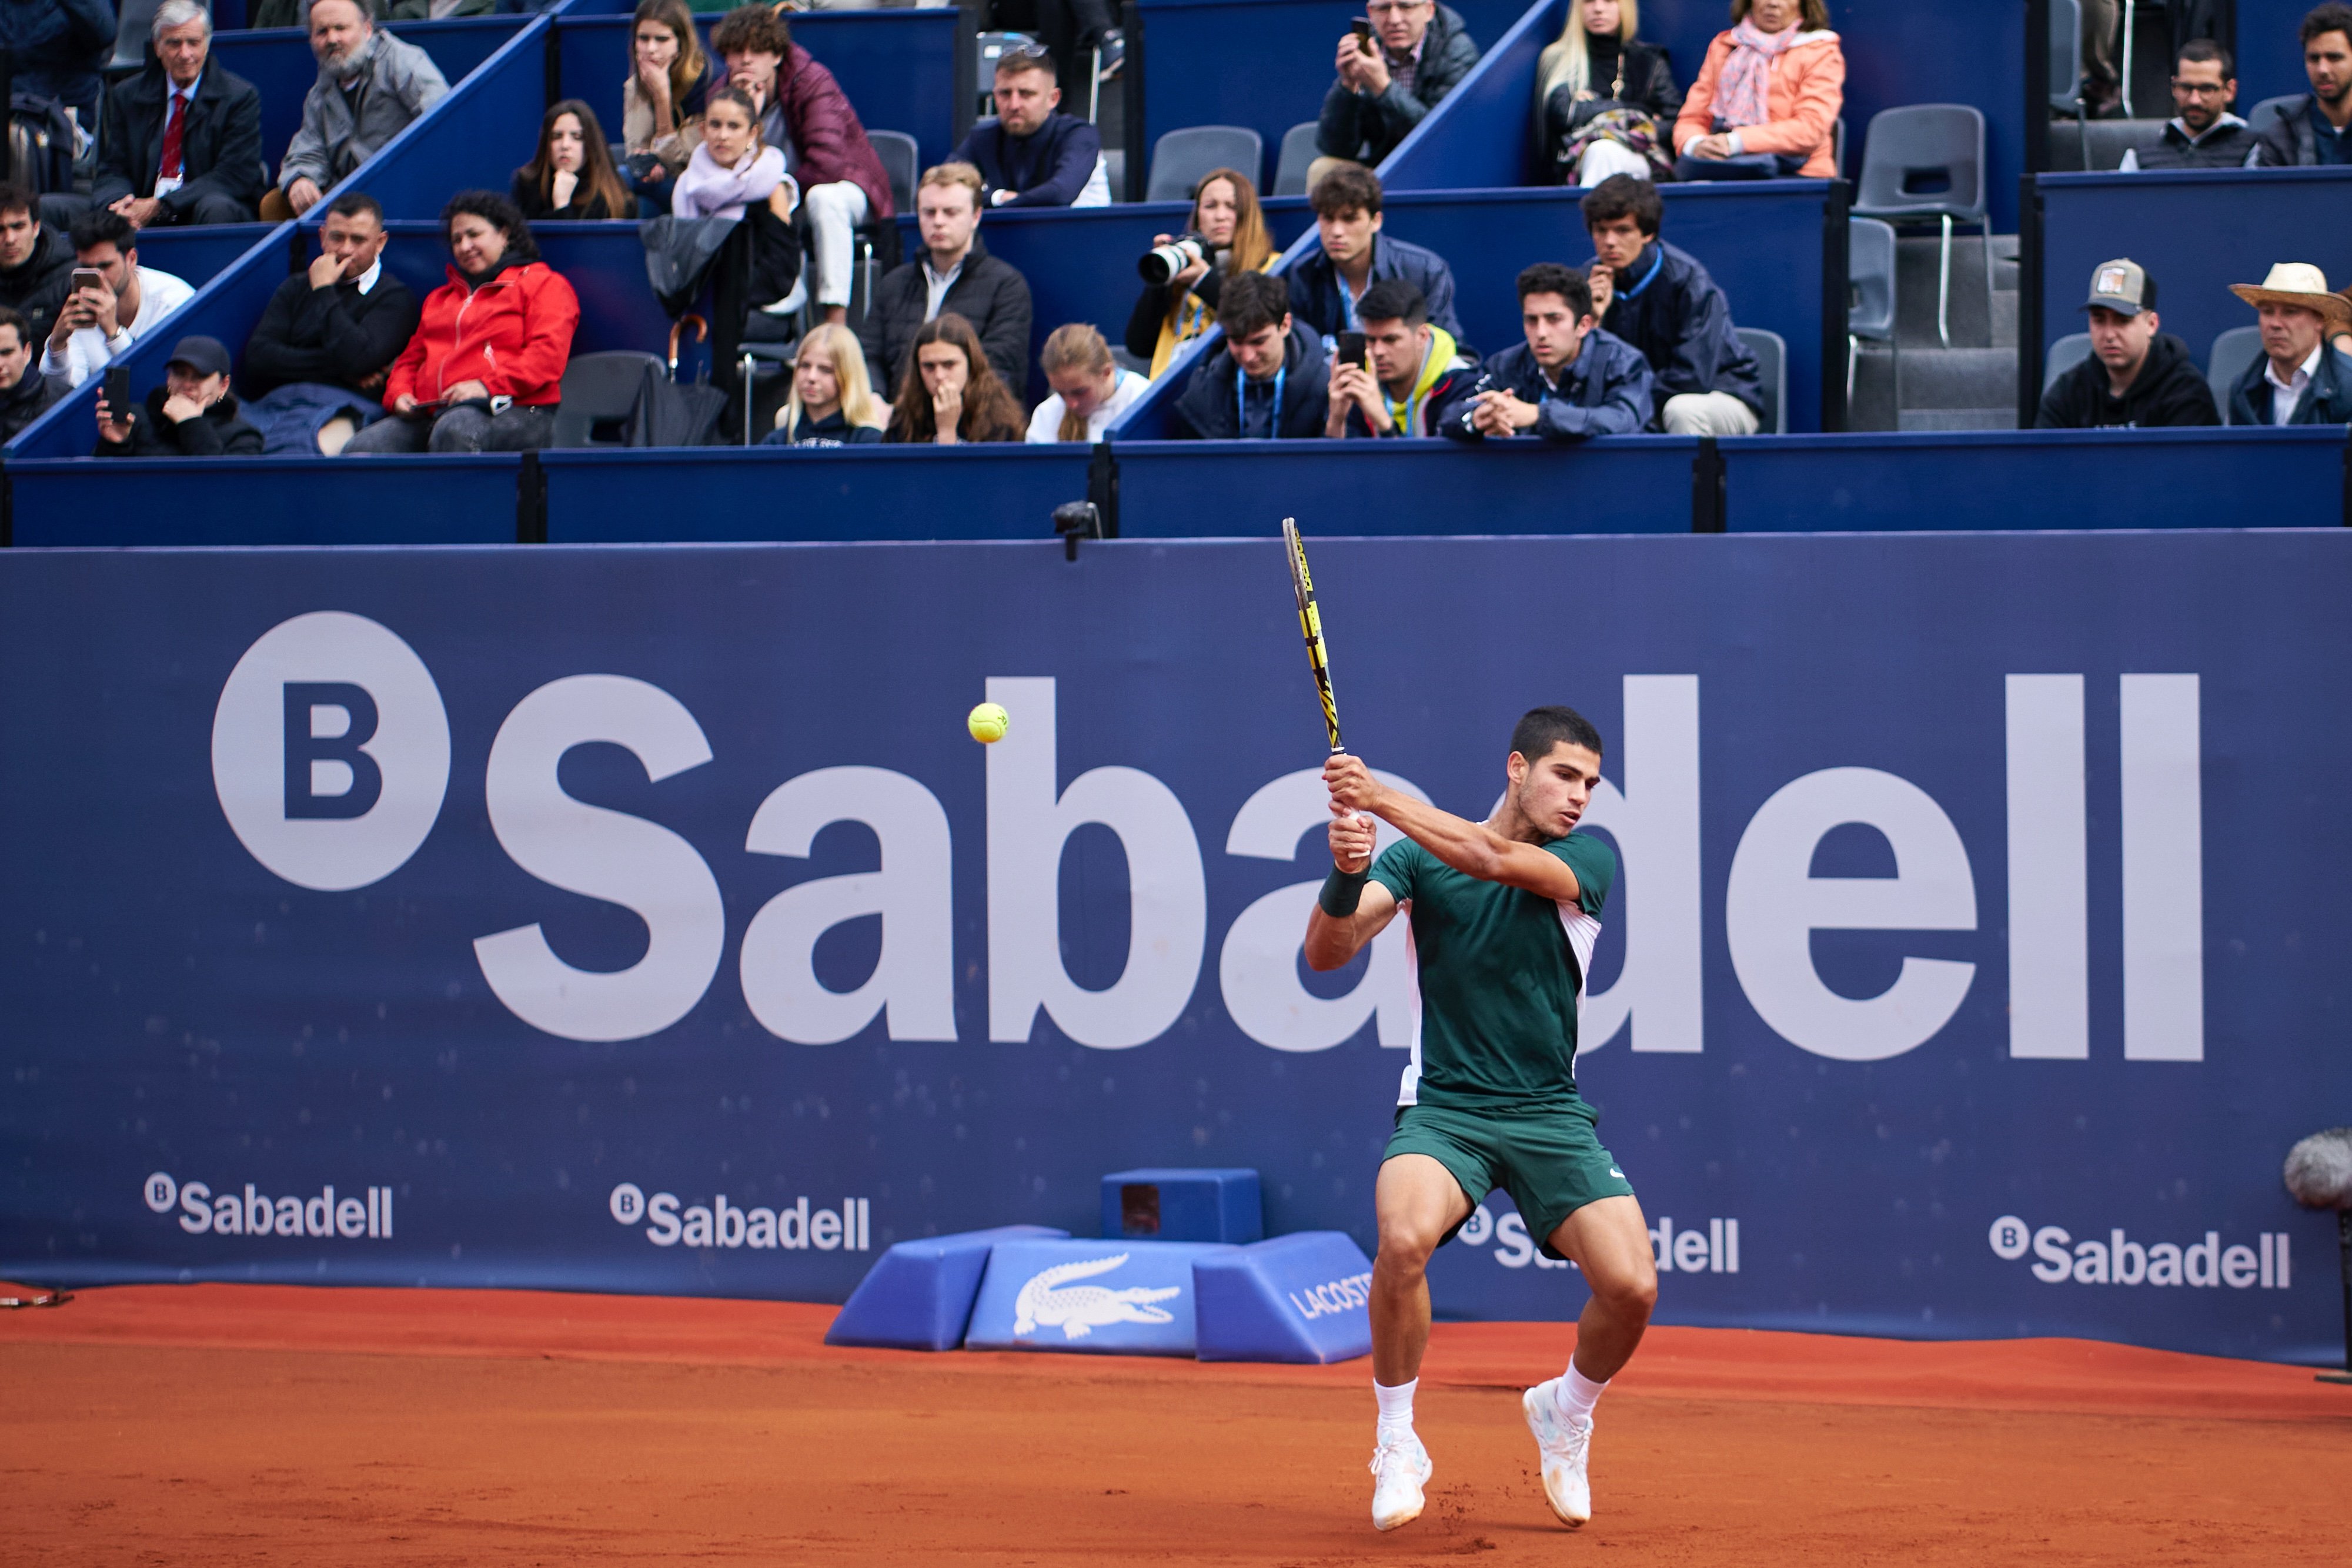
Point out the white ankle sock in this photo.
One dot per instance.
(1576, 1393)
(1396, 1406)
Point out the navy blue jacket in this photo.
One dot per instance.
(220, 149)
(2326, 400)
(1207, 410)
(61, 46)
(1681, 323)
(1048, 169)
(1318, 300)
(1605, 392)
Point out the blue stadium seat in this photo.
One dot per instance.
(2231, 352)
(1869, 295)
(1771, 351)
(2064, 354)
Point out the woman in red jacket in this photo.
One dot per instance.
(485, 370)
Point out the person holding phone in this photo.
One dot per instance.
(1391, 378)
(485, 370)
(192, 414)
(114, 301)
(1394, 64)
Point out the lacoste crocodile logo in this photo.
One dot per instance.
(1079, 1312)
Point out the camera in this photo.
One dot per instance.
(1166, 261)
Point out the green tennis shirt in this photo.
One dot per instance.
(1500, 973)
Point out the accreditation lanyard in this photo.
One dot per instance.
(1191, 324)
(1656, 261)
(1405, 413)
(1241, 403)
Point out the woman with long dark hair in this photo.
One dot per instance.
(661, 102)
(572, 175)
(950, 394)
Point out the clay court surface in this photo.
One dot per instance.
(216, 1424)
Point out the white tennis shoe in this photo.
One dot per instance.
(1400, 1467)
(1563, 1445)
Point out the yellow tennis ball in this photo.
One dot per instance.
(987, 723)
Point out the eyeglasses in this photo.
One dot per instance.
(2201, 88)
(1395, 8)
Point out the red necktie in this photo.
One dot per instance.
(174, 130)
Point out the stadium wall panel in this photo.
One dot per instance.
(1978, 924)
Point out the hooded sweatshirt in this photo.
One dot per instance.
(2169, 391)
(216, 432)
(1415, 414)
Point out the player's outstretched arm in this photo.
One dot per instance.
(1466, 846)
(1337, 928)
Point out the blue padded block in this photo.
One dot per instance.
(1188, 1205)
(1295, 1298)
(918, 1294)
(1112, 1298)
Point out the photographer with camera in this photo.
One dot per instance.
(1392, 378)
(1183, 274)
(1569, 382)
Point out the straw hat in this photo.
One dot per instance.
(2297, 283)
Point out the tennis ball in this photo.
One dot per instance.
(987, 723)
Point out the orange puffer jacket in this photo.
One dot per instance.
(1806, 96)
(513, 334)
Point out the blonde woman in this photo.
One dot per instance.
(1090, 391)
(1604, 99)
(1229, 232)
(832, 403)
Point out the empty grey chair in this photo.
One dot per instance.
(1771, 353)
(1180, 157)
(989, 47)
(2064, 354)
(135, 26)
(1115, 171)
(2066, 69)
(1926, 162)
(601, 393)
(902, 161)
(1869, 295)
(2231, 352)
(1837, 145)
(1297, 152)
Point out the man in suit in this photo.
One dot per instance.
(182, 144)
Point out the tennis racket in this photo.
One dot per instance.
(1310, 623)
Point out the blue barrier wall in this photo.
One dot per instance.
(420, 500)
(476, 137)
(2197, 232)
(1625, 485)
(897, 67)
(1762, 240)
(543, 995)
(1483, 134)
(2270, 56)
(199, 253)
(2044, 479)
(278, 62)
(1265, 64)
(992, 492)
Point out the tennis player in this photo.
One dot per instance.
(1505, 914)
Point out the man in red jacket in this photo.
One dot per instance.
(485, 370)
(805, 114)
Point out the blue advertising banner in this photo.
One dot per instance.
(643, 919)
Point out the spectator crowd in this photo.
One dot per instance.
(1359, 337)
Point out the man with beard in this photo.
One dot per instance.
(2203, 133)
(371, 86)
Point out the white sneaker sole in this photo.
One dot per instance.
(1535, 1429)
(1420, 1502)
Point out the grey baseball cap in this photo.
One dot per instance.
(2122, 286)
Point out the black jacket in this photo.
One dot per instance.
(37, 289)
(1207, 410)
(2326, 400)
(1048, 169)
(988, 292)
(2226, 146)
(1648, 84)
(585, 204)
(216, 432)
(27, 399)
(337, 335)
(1320, 299)
(1605, 392)
(220, 147)
(1367, 129)
(2289, 142)
(2169, 391)
(1667, 307)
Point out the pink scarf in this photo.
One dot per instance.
(1743, 92)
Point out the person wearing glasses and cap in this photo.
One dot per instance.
(192, 414)
(2302, 377)
(1029, 154)
(2137, 377)
(1418, 52)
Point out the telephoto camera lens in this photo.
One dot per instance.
(1166, 261)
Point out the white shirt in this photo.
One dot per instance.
(1046, 424)
(88, 350)
(2287, 396)
(937, 284)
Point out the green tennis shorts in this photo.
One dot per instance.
(1551, 1162)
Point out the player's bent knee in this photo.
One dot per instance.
(1630, 1295)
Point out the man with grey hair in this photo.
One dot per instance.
(371, 88)
(180, 142)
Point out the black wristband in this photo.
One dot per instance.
(1342, 892)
